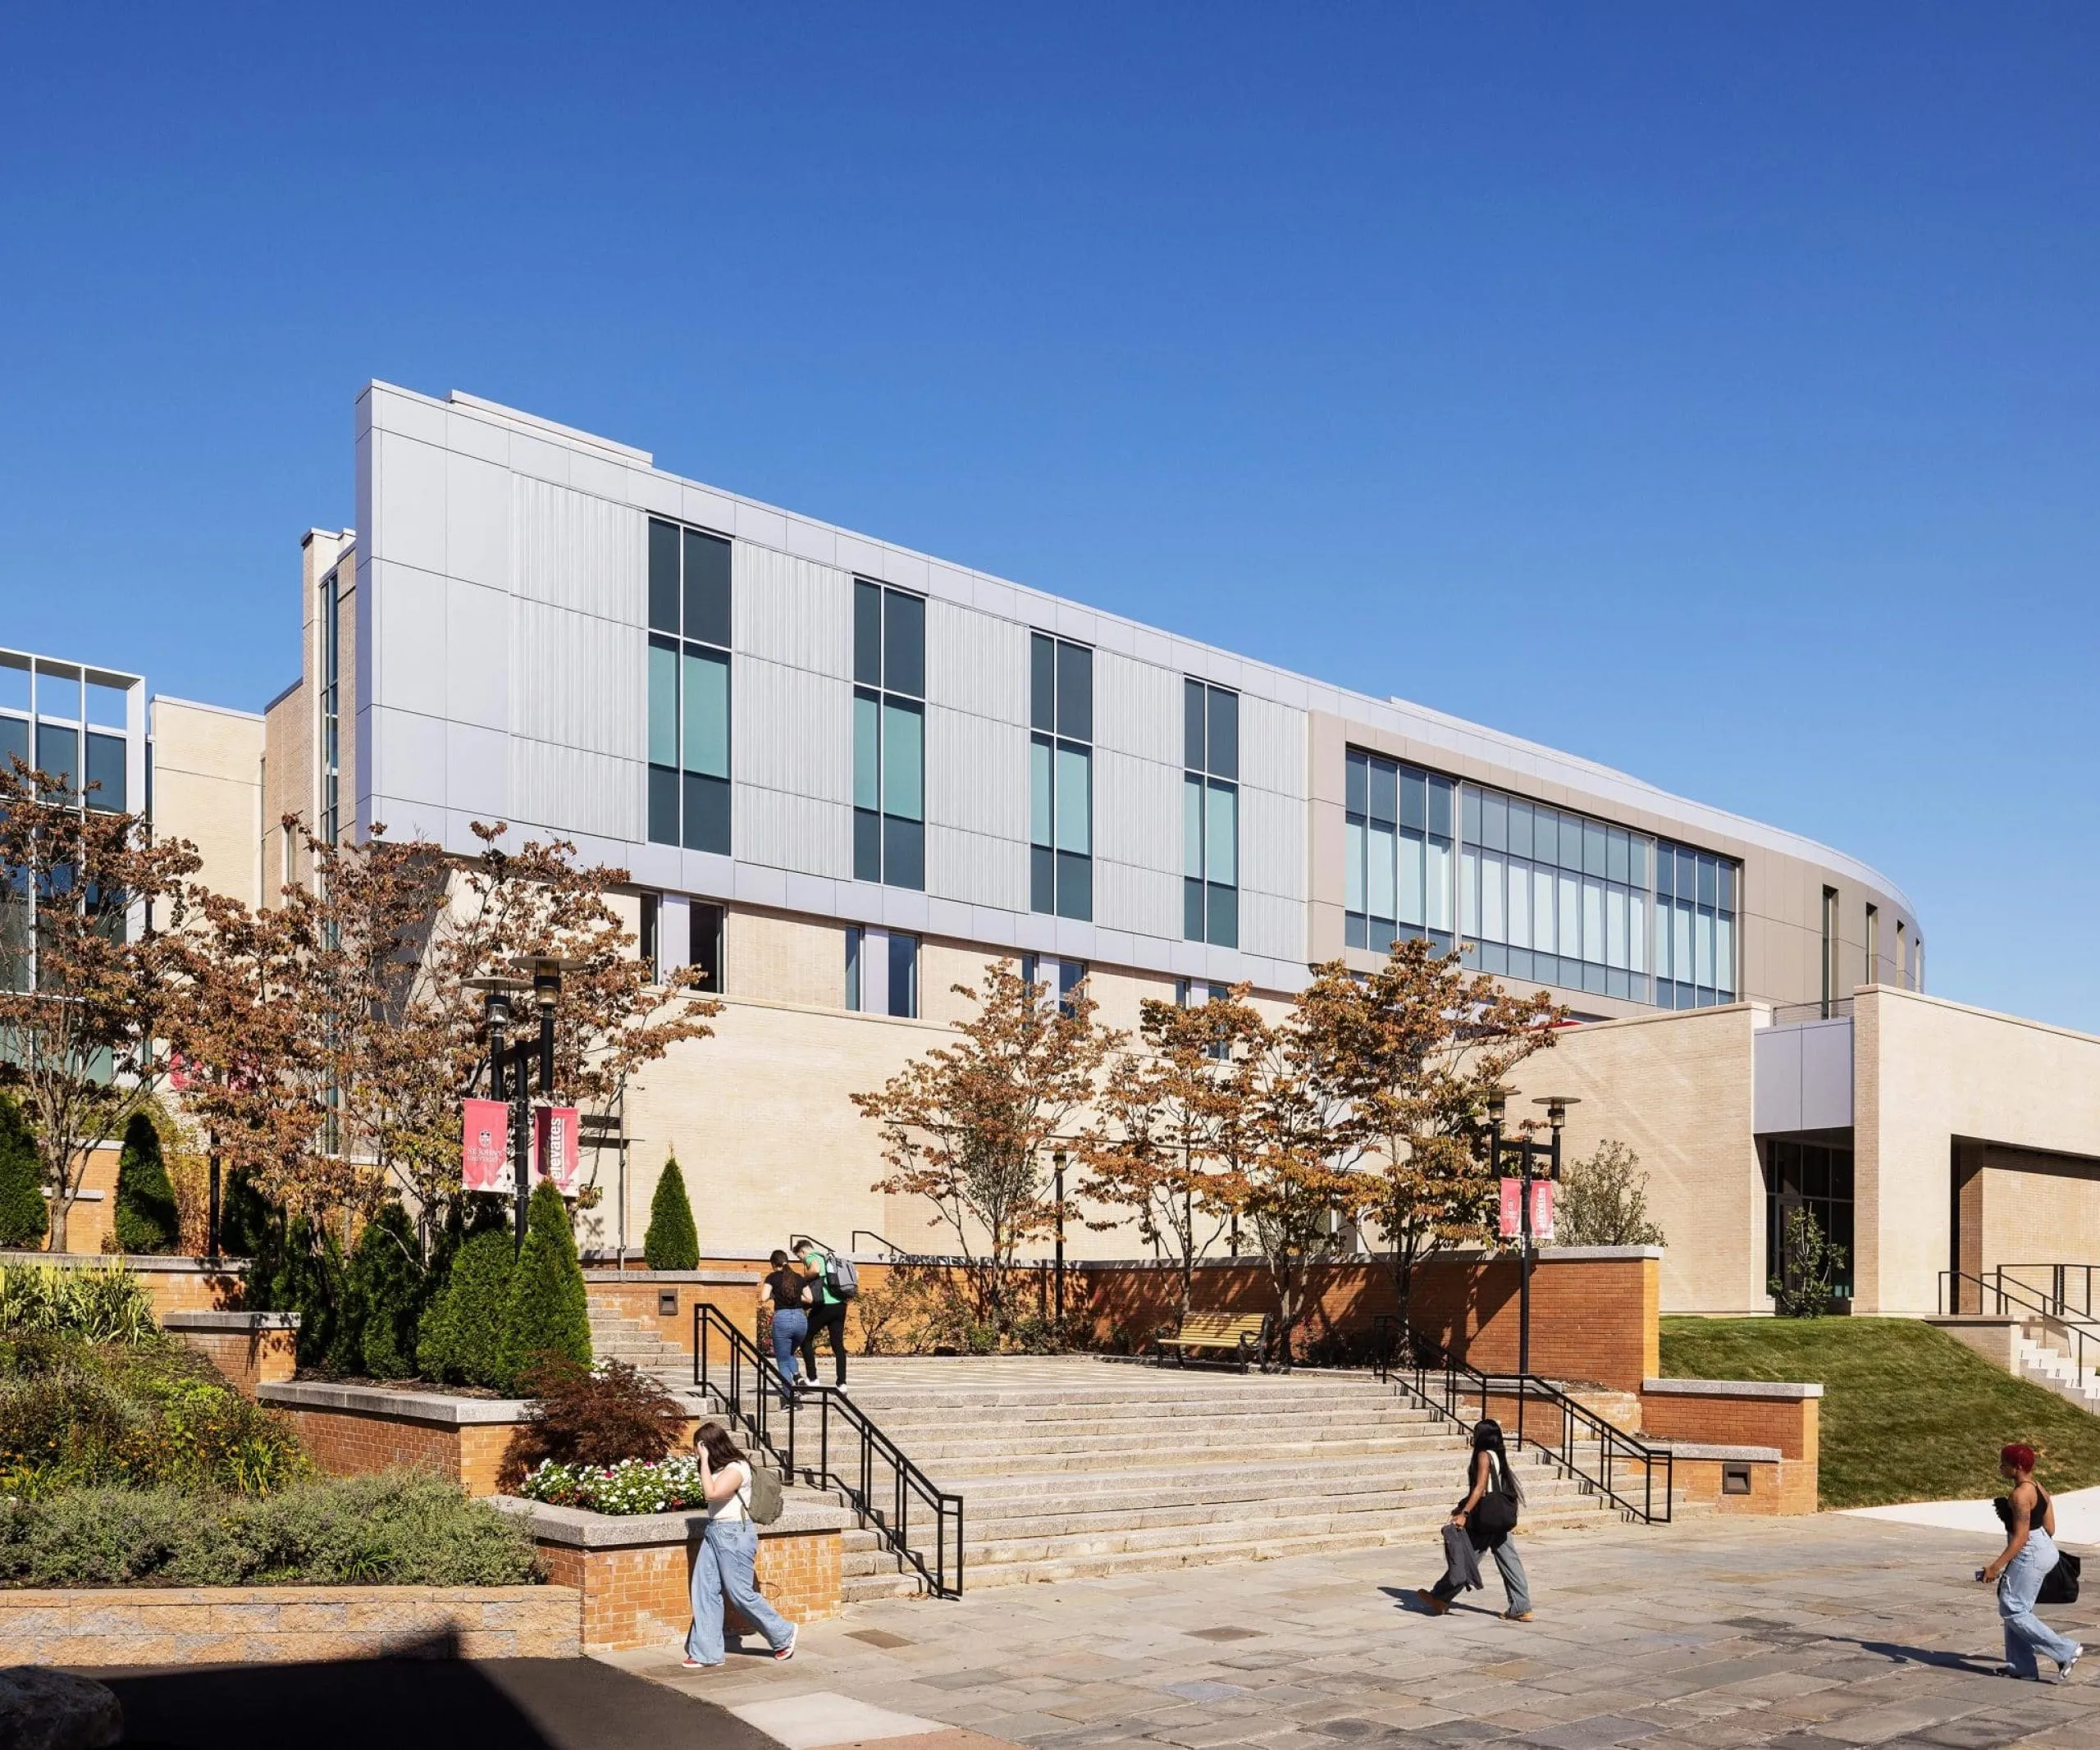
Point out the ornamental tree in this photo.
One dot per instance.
(1414, 1051)
(1163, 1146)
(91, 910)
(968, 1125)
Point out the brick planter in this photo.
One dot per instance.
(174, 1285)
(1775, 1417)
(641, 1296)
(284, 1625)
(252, 1349)
(634, 1576)
(353, 1431)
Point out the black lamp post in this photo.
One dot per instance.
(1556, 1111)
(1057, 1166)
(510, 1067)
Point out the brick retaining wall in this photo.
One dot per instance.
(354, 1431)
(173, 1284)
(251, 1349)
(284, 1624)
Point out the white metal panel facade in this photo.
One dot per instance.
(797, 833)
(976, 775)
(977, 663)
(574, 679)
(976, 868)
(792, 611)
(1137, 708)
(571, 790)
(569, 549)
(1272, 747)
(790, 730)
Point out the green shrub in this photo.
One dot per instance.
(383, 1299)
(546, 1310)
(459, 1339)
(246, 1221)
(294, 1271)
(149, 1414)
(146, 1219)
(102, 1305)
(671, 1242)
(400, 1529)
(24, 1219)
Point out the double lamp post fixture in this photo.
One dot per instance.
(1527, 1147)
(510, 1066)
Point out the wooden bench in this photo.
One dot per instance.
(1242, 1335)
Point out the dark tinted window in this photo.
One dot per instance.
(1075, 692)
(663, 577)
(904, 644)
(106, 770)
(1225, 734)
(707, 588)
(868, 634)
(1192, 704)
(1042, 681)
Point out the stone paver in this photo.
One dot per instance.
(1788, 1634)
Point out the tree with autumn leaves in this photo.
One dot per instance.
(1362, 1105)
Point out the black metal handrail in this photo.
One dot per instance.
(2002, 1300)
(862, 1463)
(2069, 1294)
(1446, 1385)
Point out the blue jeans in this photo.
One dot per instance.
(791, 1327)
(726, 1564)
(2025, 1633)
(1515, 1582)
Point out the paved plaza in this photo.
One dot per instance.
(1797, 1634)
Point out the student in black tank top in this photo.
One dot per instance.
(2029, 1553)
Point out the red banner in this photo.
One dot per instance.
(1511, 1224)
(553, 1145)
(1542, 1209)
(1511, 1219)
(483, 1130)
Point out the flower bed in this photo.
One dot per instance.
(632, 1487)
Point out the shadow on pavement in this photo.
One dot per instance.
(424, 1697)
(1899, 1654)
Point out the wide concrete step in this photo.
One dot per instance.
(1234, 1479)
(1248, 1419)
(1207, 1521)
(981, 1458)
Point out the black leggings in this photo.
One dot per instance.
(831, 1319)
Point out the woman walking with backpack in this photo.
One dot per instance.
(1483, 1520)
(726, 1564)
(2029, 1518)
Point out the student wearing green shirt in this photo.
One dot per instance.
(827, 1313)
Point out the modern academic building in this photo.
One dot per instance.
(843, 775)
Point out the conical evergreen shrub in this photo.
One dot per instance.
(460, 1339)
(546, 1310)
(671, 1242)
(24, 1219)
(386, 1288)
(146, 1219)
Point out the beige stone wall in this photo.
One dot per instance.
(207, 788)
(1927, 1071)
(1676, 1090)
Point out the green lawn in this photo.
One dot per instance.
(1908, 1413)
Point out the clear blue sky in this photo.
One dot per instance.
(1709, 390)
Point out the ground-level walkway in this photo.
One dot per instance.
(1796, 1634)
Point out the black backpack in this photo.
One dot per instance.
(2060, 1584)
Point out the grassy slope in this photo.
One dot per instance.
(1908, 1413)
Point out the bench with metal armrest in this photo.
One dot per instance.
(1242, 1336)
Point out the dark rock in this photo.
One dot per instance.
(41, 1709)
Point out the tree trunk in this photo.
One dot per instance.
(62, 1207)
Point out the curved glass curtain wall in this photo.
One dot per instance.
(1537, 894)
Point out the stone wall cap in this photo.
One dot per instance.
(1781, 1388)
(138, 1262)
(1970, 1321)
(578, 1528)
(119, 1597)
(439, 1408)
(714, 1278)
(1692, 1448)
(230, 1321)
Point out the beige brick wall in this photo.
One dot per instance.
(284, 1624)
(207, 788)
(784, 959)
(1675, 1089)
(1927, 1071)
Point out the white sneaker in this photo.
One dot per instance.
(794, 1634)
(2065, 1670)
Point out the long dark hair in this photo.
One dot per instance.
(721, 1450)
(1487, 1437)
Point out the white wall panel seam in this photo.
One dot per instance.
(792, 611)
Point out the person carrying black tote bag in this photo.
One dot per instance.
(1484, 1520)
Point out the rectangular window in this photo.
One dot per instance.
(105, 774)
(1061, 777)
(854, 945)
(1902, 961)
(1210, 796)
(1873, 946)
(1397, 871)
(58, 756)
(1829, 951)
(704, 950)
(889, 736)
(1818, 1179)
(903, 976)
(651, 944)
(689, 680)
(331, 694)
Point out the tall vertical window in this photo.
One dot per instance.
(1902, 957)
(1058, 978)
(1210, 815)
(688, 688)
(650, 950)
(1817, 1178)
(1873, 945)
(1830, 973)
(889, 736)
(1061, 777)
(1694, 927)
(1398, 857)
(706, 949)
(331, 697)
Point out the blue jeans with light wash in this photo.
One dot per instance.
(2025, 1633)
(726, 1565)
(1515, 1582)
(790, 1326)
